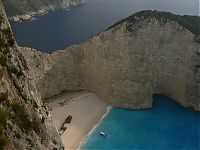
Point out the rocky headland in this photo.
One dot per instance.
(148, 53)
(19, 10)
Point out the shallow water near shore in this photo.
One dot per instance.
(167, 126)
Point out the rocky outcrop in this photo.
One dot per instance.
(147, 53)
(18, 10)
(68, 3)
(25, 122)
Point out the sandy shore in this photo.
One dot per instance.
(86, 110)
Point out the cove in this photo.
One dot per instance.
(166, 126)
(62, 28)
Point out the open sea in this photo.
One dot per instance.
(62, 28)
(166, 126)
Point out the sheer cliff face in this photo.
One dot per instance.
(24, 119)
(132, 66)
(126, 64)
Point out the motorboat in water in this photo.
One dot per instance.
(103, 134)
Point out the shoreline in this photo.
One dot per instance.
(30, 15)
(84, 140)
(87, 112)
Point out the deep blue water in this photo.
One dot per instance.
(59, 29)
(167, 126)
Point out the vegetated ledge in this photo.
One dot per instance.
(191, 23)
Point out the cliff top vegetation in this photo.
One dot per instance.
(191, 23)
(21, 7)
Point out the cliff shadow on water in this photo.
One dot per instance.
(164, 102)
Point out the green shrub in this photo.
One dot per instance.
(35, 105)
(22, 120)
(54, 142)
(1, 130)
(21, 117)
(8, 34)
(196, 68)
(20, 92)
(3, 97)
(4, 116)
(23, 61)
(1, 19)
(35, 126)
(17, 135)
(13, 70)
(29, 141)
(198, 53)
(3, 60)
(43, 120)
(3, 142)
(197, 39)
(191, 23)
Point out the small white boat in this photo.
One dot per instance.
(103, 134)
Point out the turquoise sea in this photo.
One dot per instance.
(166, 126)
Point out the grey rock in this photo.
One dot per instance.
(125, 68)
(19, 96)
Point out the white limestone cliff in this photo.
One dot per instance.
(125, 65)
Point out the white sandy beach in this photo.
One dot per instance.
(86, 110)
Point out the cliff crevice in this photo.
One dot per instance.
(24, 119)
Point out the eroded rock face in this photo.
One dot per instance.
(25, 122)
(126, 65)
